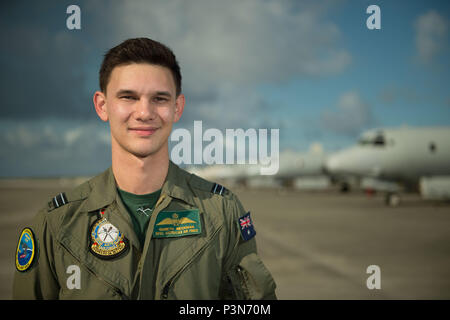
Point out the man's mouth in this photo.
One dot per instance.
(143, 131)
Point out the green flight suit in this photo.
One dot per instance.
(215, 263)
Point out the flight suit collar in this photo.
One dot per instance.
(103, 191)
(104, 188)
(103, 194)
(176, 184)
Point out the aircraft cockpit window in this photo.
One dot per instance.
(379, 140)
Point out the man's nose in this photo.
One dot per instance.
(145, 110)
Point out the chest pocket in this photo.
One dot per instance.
(99, 279)
(198, 262)
(80, 283)
(180, 237)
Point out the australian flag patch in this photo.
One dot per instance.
(246, 227)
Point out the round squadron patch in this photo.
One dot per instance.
(26, 250)
(107, 241)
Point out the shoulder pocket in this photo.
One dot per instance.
(250, 279)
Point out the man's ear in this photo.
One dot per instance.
(179, 107)
(100, 105)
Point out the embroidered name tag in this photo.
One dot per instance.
(170, 224)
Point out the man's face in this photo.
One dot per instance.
(141, 106)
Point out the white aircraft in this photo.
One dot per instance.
(413, 156)
(296, 169)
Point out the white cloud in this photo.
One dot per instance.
(226, 48)
(350, 115)
(231, 107)
(431, 35)
(53, 146)
(237, 42)
(71, 136)
(49, 133)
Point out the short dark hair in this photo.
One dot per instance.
(139, 50)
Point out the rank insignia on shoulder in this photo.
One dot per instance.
(58, 201)
(26, 250)
(219, 189)
(246, 227)
(107, 242)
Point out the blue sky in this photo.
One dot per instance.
(310, 68)
(385, 71)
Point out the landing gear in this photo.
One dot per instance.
(344, 187)
(392, 199)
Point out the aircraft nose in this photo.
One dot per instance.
(332, 165)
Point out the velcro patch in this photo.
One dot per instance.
(107, 241)
(57, 201)
(219, 189)
(26, 250)
(246, 226)
(170, 224)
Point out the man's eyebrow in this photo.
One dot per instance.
(163, 93)
(126, 91)
(132, 92)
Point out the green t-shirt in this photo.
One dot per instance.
(140, 208)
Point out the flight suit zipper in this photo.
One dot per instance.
(93, 273)
(168, 285)
(165, 291)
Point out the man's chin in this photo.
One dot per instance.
(146, 151)
(142, 149)
(143, 153)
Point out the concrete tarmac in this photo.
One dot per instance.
(317, 245)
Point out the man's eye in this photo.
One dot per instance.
(160, 99)
(128, 98)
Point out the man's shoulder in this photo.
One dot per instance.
(213, 189)
(213, 192)
(217, 200)
(72, 197)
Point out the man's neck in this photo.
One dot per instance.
(140, 175)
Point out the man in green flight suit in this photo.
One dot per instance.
(143, 229)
